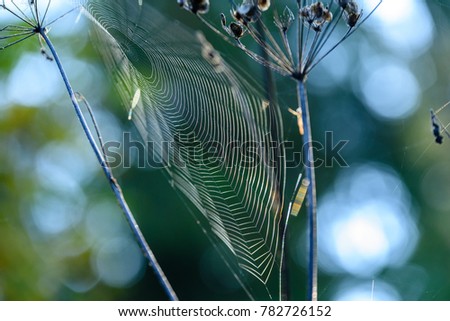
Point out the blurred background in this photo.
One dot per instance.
(384, 220)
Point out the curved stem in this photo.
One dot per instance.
(108, 173)
(311, 203)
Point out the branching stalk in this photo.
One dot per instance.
(153, 263)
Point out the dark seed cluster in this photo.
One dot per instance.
(316, 22)
(316, 15)
(352, 13)
(195, 6)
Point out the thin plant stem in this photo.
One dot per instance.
(308, 163)
(286, 44)
(311, 202)
(262, 37)
(153, 263)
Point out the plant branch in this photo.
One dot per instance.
(311, 203)
(113, 182)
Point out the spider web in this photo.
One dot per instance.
(225, 153)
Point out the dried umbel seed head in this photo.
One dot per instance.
(285, 21)
(200, 6)
(317, 9)
(237, 30)
(315, 15)
(352, 13)
(247, 13)
(321, 12)
(327, 16)
(195, 6)
(306, 14)
(343, 3)
(263, 5)
(352, 6)
(352, 19)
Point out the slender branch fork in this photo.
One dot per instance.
(38, 28)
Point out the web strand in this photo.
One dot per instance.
(191, 97)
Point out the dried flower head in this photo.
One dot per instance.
(306, 14)
(237, 30)
(263, 5)
(343, 3)
(315, 15)
(247, 12)
(315, 31)
(285, 21)
(195, 6)
(34, 23)
(351, 6)
(352, 13)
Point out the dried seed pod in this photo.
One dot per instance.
(316, 15)
(316, 27)
(306, 14)
(317, 9)
(327, 16)
(343, 3)
(285, 21)
(199, 6)
(223, 20)
(352, 13)
(263, 5)
(195, 6)
(246, 13)
(321, 12)
(351, 6)
(237, 30)
(352, 19)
